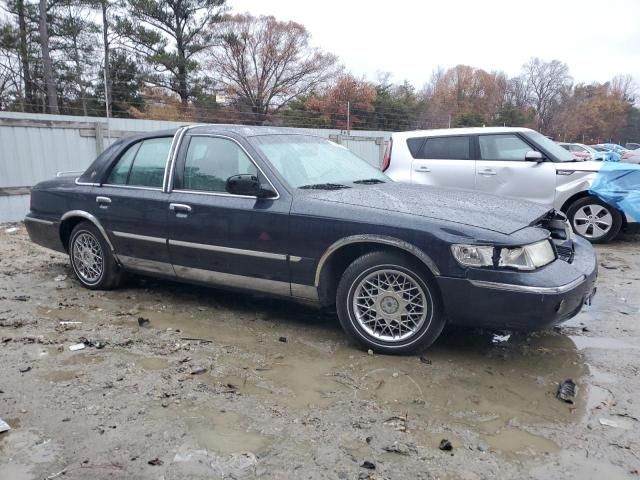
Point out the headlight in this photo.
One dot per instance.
(528, 257)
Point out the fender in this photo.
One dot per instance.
(382, 240)
(92, 219)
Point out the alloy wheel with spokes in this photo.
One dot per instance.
(87, 257)
(390, 305)
(592, 221)
(390, 302)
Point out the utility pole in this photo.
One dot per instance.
(348, 117)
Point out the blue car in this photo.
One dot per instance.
(614, 147)
(275, 211)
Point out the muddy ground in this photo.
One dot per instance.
(222, 385)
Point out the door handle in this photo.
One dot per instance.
(180, 208)
(103, 202)
(423, 168)
(488, 172)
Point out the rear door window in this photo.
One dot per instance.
(503, 147)
(143, 164)
(446, 148)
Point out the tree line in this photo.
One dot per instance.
(195, 60)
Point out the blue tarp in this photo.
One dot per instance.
(618, 184)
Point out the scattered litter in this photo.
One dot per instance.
(184, 360)
(60, 278)
(155, 462)
(399, 422)
(93, 342)
(193, 339)
(77, 346)
(199, 371)
(22, 298)
(65, 322)
(368, 465)
(143, 322)
(283, 339)
(11, 230)
(425, 360)
(445, 445)
(567, 391)
(500, 338)
(25, 369)
(370, 352)
(612, 423)
(4, 426)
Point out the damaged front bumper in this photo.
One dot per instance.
(522, 300)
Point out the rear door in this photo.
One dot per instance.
(216, 237)
(132, 207)
(443, 161)
(502, 169)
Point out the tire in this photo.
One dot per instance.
(91, 259)
(594, 220)
(359, 318)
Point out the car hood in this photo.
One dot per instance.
(491, 212)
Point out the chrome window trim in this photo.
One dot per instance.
(381, 239)
(86, 184)
(92, 219)
(132, 187)
(38, 220)
(251, 159)
(235, 251)
(168, 186)
(135, 236)
(69, 172)
(509, 287)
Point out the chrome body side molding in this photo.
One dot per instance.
(135, 236)
(382, 240)
(92, 219)
(236, 251)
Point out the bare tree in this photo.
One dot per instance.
(263, 63)
(47, 65)
(545, 83)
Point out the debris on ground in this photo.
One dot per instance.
(155, 462)
(400, 448)
(22, 298)
(614, 424)
(425, 360)
(283, 339)
(77, 346)
(143, 322)
(65, 322)
(370, 352)
(368, 465)
(198, 371)
(500, 337)
(60, 278)
(11, 230)
(25, 369)
(4, 426)
(445, 445)
(399, 422)
(567, 391)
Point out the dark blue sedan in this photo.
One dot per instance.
(297, 216)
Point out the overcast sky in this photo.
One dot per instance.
(598, 39)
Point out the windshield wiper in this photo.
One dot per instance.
(324, 186)
(369, 181)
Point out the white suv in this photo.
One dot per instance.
(516, 162)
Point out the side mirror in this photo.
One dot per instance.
(534, 156)
(249, 185)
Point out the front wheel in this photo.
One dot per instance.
(389, 303)
(93, 263)
(594, 220)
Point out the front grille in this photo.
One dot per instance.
(565, 253)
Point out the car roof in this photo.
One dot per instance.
(247, 130)
(459, 131)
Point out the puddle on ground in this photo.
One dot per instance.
(520, 442)
(217, 431)
(61, 375)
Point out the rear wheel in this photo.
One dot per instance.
(594, 220)
(93, 263)
(389, 304)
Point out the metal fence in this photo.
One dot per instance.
(34, 147)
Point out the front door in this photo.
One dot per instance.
(502, 170)
(219, 238)
(132, 207)
(445, 162)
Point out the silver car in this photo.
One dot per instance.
(515, 162)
